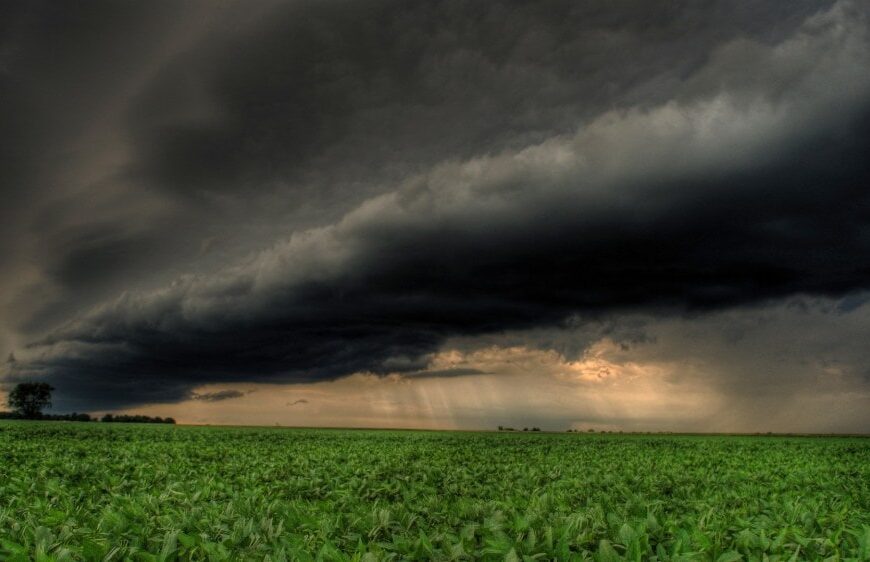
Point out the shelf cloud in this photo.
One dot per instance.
(304, 191)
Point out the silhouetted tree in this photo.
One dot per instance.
(29, 398)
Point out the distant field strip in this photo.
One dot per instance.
(94, 492)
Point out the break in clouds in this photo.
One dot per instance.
(297, 192)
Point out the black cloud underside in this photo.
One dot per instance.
(798, 225)
(322, 105)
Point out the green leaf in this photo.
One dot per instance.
(606, 552)
(93, 551)
(187, 541)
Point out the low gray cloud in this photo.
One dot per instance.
(445, 373)
(217, 396)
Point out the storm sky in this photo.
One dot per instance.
(616, 215)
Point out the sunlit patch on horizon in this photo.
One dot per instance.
(517, 383)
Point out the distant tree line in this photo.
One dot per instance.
(28, 399)
(54, 417)
(126, 418)
(75, 416)
(505, 428)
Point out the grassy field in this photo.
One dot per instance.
(73, 491)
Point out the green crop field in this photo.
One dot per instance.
(72, 491)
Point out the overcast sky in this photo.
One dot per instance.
(614, 215)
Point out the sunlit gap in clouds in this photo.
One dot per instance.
(712, 372)
(512, 386)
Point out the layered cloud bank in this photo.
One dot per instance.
(335, 189)
(797, 367)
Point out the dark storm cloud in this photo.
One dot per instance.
(86, 257)
(69, 232)
(217, 396)
(322, 93)
(60, 65)
(442, 373)
(425, 171)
